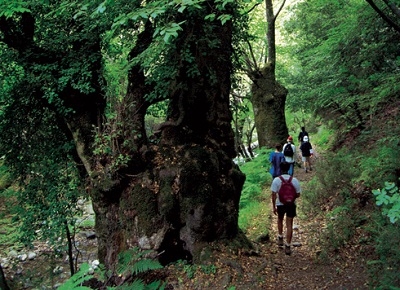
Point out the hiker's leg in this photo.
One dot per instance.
(304, 159)
(280, 226)
(290, 215)
(289, 230)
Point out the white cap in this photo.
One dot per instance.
(305, 138)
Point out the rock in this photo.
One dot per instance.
(89, 208)
(81, 201)
(5, 263)
(13, 254)
(58, 270)
(144, 243)
(296, 244)
(31, 255)
(95, 264)
(23, 257)
(90, 235)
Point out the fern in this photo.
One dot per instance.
(133, 261)
(145, 265)
(77, 279)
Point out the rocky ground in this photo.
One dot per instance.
(266, 267)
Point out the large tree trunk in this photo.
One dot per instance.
(3, 282)
(268, 99)
(269, 96)
(183, 192)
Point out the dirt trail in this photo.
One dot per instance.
(269, 268)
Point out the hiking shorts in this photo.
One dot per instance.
(288, 209)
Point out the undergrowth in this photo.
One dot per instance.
(131, 267)
(254, 201)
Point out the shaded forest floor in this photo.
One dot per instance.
(269, 268)
(265, 267)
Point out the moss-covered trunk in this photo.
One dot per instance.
(181, 192)
(268, 99)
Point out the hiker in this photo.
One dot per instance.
(302, 134)
(281, 209)
(306, 153)
(276, 158)
(289, 151)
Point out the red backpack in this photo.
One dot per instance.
(287, 192)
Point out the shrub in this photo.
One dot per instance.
(380, 164)
(332, 182)
(253, 201)
(384, 271)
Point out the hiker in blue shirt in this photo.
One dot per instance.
(276, 158)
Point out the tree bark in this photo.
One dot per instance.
(3, 282)
(269, 96)
(183, 192)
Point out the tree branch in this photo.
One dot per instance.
(383, 16)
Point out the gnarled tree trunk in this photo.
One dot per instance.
(177, 195)
(268, 98)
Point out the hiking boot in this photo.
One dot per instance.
(288, 251)
(280, 241)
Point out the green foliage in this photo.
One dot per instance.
(131, 262)
(384, 271)
(191, 269)
(380, 164)
(388, 198)
(5, 178)
(334, 176)
(76, 281)
(257, 176)
(342, 66)
(253, 206)
(341, 224)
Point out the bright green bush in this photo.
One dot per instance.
(254, 202)
(257, 177)
(388, 198)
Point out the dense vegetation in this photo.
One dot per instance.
(339, 61)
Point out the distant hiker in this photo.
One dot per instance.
(276, 158)
(306, 153)
(289, 151)
(302, 134)
(279, 208)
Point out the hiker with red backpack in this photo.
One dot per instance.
(285, 189)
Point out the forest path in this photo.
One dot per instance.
(270, 268)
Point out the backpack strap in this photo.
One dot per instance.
(284, 180)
